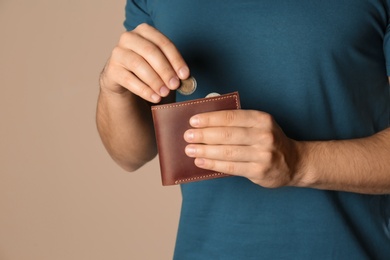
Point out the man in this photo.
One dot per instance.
(310, 150)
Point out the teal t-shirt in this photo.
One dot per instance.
(319, 67)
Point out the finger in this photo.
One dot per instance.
(223, 135)
(142, 69)
(159, 52)
(123, 66)
(260, 174)
(151, 55)
(238, 118)
(167, 47)
(131, 82)
(235, 153)
(243, 169)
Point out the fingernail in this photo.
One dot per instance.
(184, 72)
(199, 162)
(155, 98)
(164, 91)
(190, 150)
(194, 121)
(174, 82)
(189, 136)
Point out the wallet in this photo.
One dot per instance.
(170, 123)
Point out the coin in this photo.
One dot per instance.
(213, 94)
(187, 86)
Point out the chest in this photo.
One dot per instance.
(270, 23)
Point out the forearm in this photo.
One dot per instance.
(125, 126)
(358, 165)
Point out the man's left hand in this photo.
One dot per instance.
(245, 143)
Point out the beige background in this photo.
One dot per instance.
(61, 196)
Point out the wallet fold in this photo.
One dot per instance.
(170, 123)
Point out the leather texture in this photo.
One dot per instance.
(170, 123)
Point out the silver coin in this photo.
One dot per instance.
(213, 94)
(187, 86)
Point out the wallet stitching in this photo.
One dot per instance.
(199, 177)
(197, 102)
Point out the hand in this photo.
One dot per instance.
(244, 143)
(146, 63)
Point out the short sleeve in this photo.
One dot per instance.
(136, 13)
(386, 42)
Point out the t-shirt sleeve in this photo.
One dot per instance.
(386, 42)
(136, 13)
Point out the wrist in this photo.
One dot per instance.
(303, 173)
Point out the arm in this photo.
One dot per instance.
(250, 144)
(125, 128)
(359, 165)
(143, 68)
(364, 164)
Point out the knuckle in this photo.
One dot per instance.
(136, 62)
(149, 49)
(265, 117)
(126, 37)
(229, 167)
(257, 169)
(116, 52)
(227, 135)
(166, 72)
(255, 154)
(141, 27)
(267, 157)
(230, 116)
(228, 153)
(177, 61)
(107, 74)
(253, 135)
(256, 116)
(255, 177)
(154, 81)
(262, 118)
(267, 138)
(126, 78)
(263, 175)
(267, 120)
(144, 91)
(156, 84)
(164, 42)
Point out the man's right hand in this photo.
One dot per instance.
(146, 63)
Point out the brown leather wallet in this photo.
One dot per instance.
(170, 123)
